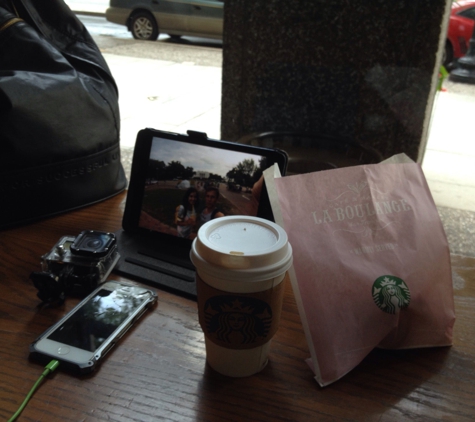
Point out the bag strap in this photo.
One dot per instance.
(12, 21)
(9, 23)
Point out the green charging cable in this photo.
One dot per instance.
(48, 369)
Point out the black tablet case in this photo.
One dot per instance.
(142, 258)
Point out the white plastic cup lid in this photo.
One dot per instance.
(251, 245)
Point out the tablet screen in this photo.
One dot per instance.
(179, 182)
(187, 185)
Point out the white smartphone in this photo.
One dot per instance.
(82, 338)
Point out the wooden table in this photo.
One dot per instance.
(158, 370)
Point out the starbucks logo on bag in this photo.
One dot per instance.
(391, 294)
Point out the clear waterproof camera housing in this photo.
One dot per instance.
(76, 265)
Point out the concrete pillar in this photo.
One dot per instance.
(363, 70)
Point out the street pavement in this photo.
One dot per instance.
(166, 95)
(449, 161)
(180, 95)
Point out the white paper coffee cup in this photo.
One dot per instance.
(241, 263)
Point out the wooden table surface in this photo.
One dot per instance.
(158, 370)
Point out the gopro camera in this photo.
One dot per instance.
(76, 265)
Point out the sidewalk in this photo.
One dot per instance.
(166, 95)
(449, 162)
(88, 6)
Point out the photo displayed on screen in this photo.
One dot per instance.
(188, 185)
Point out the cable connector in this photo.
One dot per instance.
(51, 367)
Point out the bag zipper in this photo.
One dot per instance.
(9, 23)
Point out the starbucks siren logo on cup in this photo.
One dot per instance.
(241, 263)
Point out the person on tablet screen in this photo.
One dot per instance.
(210, 210)
(185, 214)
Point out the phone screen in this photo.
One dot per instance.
(101, 315)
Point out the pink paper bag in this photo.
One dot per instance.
(371, 262)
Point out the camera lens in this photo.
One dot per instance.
(93, 243)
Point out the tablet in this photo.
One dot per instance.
(177, 183)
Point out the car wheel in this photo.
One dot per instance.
(448, 55)
(144, 27)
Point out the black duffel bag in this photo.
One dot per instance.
(59, 114)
